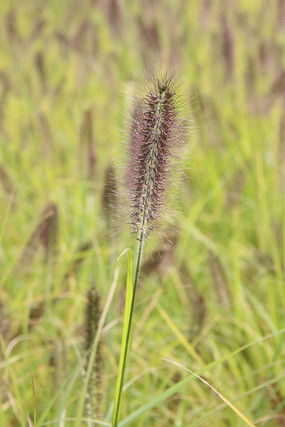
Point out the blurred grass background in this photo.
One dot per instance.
(67, 73)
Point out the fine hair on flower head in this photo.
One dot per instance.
(156, 131)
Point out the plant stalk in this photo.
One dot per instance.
(126, 342)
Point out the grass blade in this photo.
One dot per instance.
(223, 398)
(176, 387)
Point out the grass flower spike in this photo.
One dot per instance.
(92, 317)
(156, 131)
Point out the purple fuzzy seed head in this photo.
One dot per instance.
(155, 132)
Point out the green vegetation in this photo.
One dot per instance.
(212, 302)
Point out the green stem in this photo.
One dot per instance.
(126, 341)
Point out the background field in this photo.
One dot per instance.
(67, 73)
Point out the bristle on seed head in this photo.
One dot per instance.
(156, 131)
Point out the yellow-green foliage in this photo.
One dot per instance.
(66, 65)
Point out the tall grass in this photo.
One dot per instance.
(155, 131)
(213, 303)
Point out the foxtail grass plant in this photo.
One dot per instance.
(156, 132)
(92, 317)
